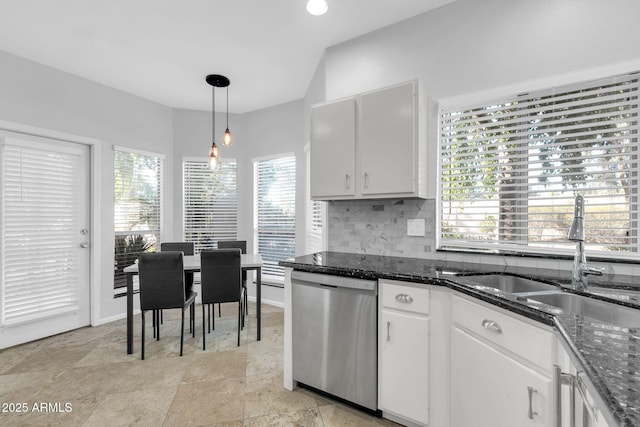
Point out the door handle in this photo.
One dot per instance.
(84, 245)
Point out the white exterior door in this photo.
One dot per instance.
(45, 259)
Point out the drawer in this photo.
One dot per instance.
(506, 330)
(405, 297)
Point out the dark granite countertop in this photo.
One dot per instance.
(609, 354)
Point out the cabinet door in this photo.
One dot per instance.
(387, 145)
(404, 374)
(333, 149)
(489, 388)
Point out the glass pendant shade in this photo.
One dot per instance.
(227, 140)
(214, 156)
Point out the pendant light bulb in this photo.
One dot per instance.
(214, 156)
(317, 7)
(227, 140)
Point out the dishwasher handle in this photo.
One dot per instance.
(332, 281)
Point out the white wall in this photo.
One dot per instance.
(39, 96)
(470, 45)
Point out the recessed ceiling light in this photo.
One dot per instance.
(317, 7)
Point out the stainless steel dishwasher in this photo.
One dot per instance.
(335, 336)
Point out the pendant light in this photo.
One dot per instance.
(227, 140)
(216, 80)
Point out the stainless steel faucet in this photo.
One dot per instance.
(581, 269)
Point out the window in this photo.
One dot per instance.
(137, 189)
(275, 213)
(210, 203)
(510, 170)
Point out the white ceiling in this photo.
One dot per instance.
(162, 50)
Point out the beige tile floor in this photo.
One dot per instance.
(85, 378)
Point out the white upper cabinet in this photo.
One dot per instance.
(333, 146)
(369, 146)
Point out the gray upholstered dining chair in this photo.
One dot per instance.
(162, 287)
(242, 245)
(221, 282)
(188, 248)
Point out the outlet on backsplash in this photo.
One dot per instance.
(415, 227)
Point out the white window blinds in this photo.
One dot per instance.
(315, 217)
(510, 170)
(210, 203)
(40, 233)
(275, 216)
(137, 206)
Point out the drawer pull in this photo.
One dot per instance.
(491, 326)
(531, 413)
(404, 298)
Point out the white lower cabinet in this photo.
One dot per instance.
(489, 388)
(403, 350)
(500, 369)
(577, 406)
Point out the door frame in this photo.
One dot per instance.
(94, 215)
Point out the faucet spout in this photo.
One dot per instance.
(576, 232)
(581, 269)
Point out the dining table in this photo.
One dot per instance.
(192, 265)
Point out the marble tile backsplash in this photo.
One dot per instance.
(379, 227)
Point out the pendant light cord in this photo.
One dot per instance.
(213, 114)
(227, 107)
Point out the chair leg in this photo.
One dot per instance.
(239, 317)
(157, 314)
(182, 333)
(193, 319)
(208, 318)
(204, 336)
(219, 310)
(142, 345)
(153, 322)
(246, 302)
(242, 311)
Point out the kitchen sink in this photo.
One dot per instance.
(590, 307)
(504, 283)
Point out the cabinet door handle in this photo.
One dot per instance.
(531, 412)
(560, 379)
(366, 180)
(346, 181)
(388, 331)
(582, 391)
(404, 298)
(491, 326)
